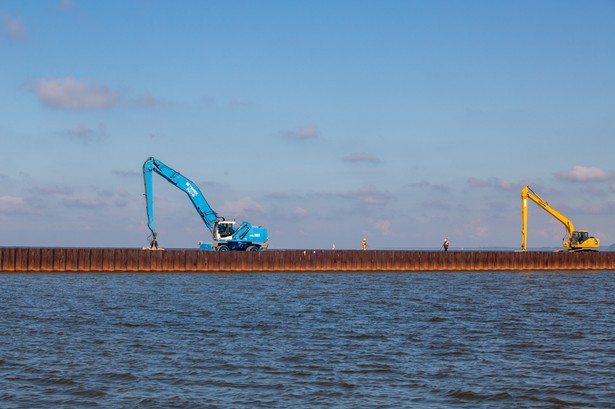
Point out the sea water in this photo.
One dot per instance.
(313, 340)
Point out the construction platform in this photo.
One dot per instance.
(77, 260)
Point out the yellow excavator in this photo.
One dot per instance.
(575, 240)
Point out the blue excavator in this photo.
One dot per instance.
(227, 235)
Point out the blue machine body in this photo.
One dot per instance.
(227, 235)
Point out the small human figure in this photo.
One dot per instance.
(445, 245)
(364, 244)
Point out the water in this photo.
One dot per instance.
(347, 340)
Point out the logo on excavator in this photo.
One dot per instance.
(191, 191)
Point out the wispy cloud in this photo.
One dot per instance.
(441, 205)
(241, 207)
(592, 190)
(236, 102)
(362, 157)
(84, 202)
(491, 182)
(209, 100)
(75, 94)
(476, 229)
(300, 213)
(367, 196)
(305, 133)
(70, 93)
(284, 196)
(12, 28)
(477, 182)
(127, 173)
(382, 226)
(13, 204)
(155, 136)
(584, 174)
(146, 101)
(50, 190)
(431, 186)
(87, 134)
(66, 4)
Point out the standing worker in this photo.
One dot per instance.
(364, 244)
(445, 245)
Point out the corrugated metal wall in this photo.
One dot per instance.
(137, 260)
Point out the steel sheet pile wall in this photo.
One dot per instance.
(136, 260)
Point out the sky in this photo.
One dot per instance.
(403, 122)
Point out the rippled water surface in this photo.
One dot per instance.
(307, 340)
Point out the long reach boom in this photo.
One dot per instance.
(575, 240)
(208, 215)
(226, 236)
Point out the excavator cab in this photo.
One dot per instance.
(580, 240)
(578, 237)
(223, 229)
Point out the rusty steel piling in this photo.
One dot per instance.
(19, 259)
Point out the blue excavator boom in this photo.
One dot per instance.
(225, 235)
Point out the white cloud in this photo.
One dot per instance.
(12, 28)
(584, 174)
(70, 93)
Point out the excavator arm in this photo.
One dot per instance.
(574, 240)
(152, 165)
(527, 193)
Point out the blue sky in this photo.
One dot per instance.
(327, 121)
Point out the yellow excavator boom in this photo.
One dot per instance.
(575, 240)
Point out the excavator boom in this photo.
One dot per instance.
(225, 235)
(208, 215)
(574, 240)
